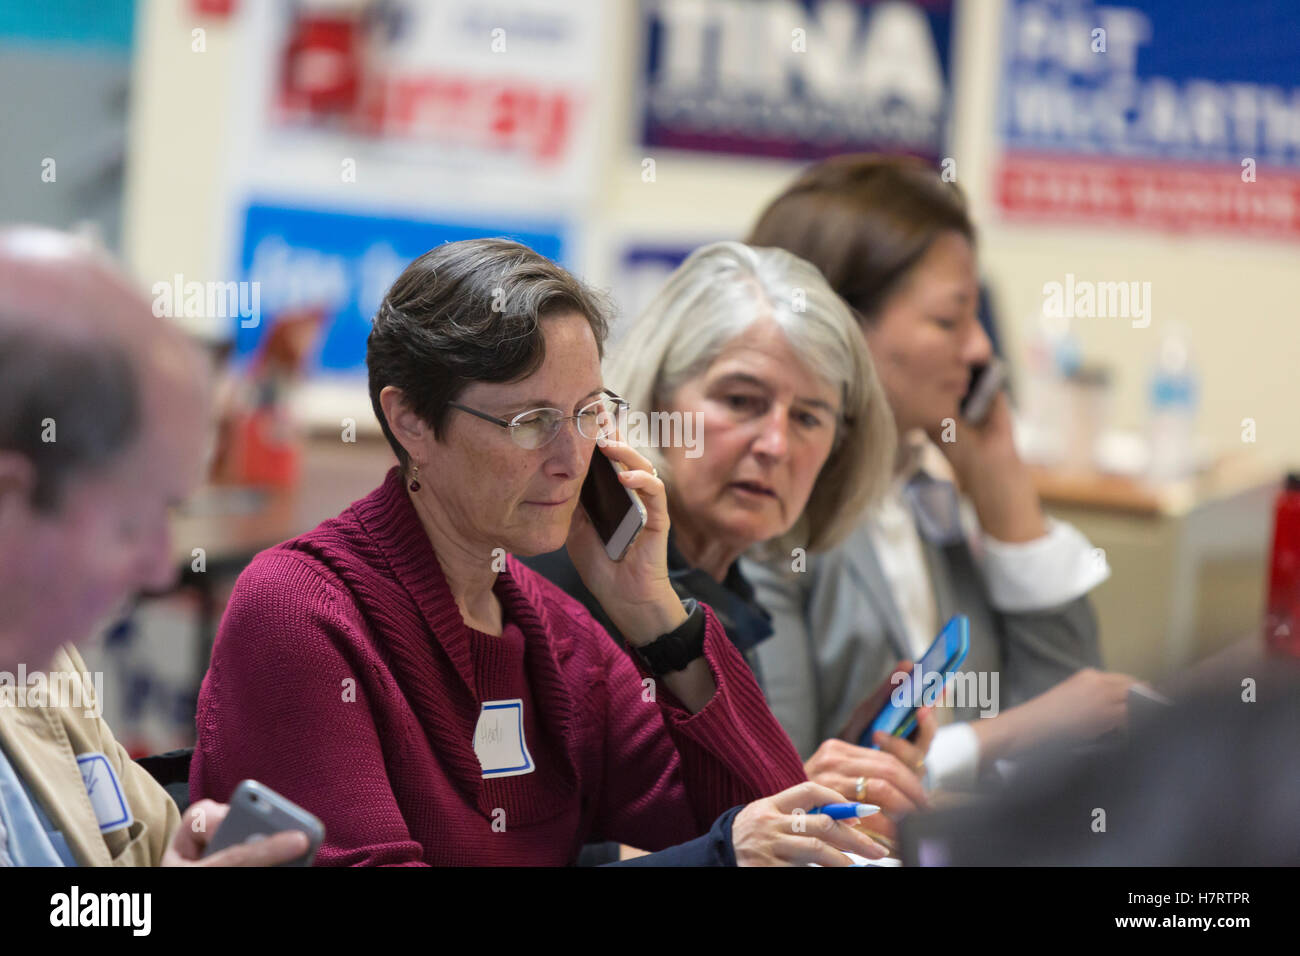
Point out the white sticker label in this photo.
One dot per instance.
(499, 739)
(105, 792)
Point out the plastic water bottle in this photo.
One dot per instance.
(1173, 399)
(1052, 356)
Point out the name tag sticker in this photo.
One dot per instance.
(105, 792)
(499, 739)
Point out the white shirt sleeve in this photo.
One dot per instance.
(954, 759)
(1055, 569)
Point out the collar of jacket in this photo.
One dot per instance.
(38, 748)
(746, 622)
(43, 748)
(923, 480)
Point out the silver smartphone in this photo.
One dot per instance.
(257, 811)
(616, 511)
(985, 383)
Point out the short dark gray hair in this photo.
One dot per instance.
(469, 312)
(87, 388)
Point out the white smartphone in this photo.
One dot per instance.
(616, 511)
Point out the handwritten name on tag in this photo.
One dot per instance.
(105, 792)
(499, 739)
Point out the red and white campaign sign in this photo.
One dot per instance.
(1152, 113)
(1148, 195)
(503, 86)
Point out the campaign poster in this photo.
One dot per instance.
(1152, 113)
(797, 79)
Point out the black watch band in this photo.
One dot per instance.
(675, 650)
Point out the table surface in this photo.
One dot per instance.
(1227, 476)
(231, 522)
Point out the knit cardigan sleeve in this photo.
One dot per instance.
(282, 704)
(731, 752)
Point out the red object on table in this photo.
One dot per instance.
(265, 451)
(1282, 613)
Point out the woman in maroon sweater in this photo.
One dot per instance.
(432, 700)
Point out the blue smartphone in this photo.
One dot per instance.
(944, 656)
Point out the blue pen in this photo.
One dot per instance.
(846, 811)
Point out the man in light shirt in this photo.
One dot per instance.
(103, 426)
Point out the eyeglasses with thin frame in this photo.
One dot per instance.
(538, 427)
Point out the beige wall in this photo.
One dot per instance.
(180, 102)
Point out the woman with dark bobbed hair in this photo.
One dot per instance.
(897, 244)
(397, 672)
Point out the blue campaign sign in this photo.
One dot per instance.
(342, 264)
(1163, 80)
(798, 79)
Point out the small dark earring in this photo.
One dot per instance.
(415, 478)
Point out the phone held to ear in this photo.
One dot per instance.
(257, 811)
(985, 383)
(615, 510)
(936, 666)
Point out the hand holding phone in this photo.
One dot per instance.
(869, 708)
(897, 717)
(615, 511)
(635, 590)
(256, 812)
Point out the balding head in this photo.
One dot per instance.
(80, 346)
(63, 280)
(103, 423)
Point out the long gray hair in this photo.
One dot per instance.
(713, 297)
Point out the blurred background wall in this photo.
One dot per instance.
(1238, 297)
(309, 148)
(65, 68)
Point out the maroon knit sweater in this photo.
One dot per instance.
(344, 677)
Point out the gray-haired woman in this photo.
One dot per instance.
(794, 439)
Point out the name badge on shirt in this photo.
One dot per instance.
(499, 739)
(105, 792)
